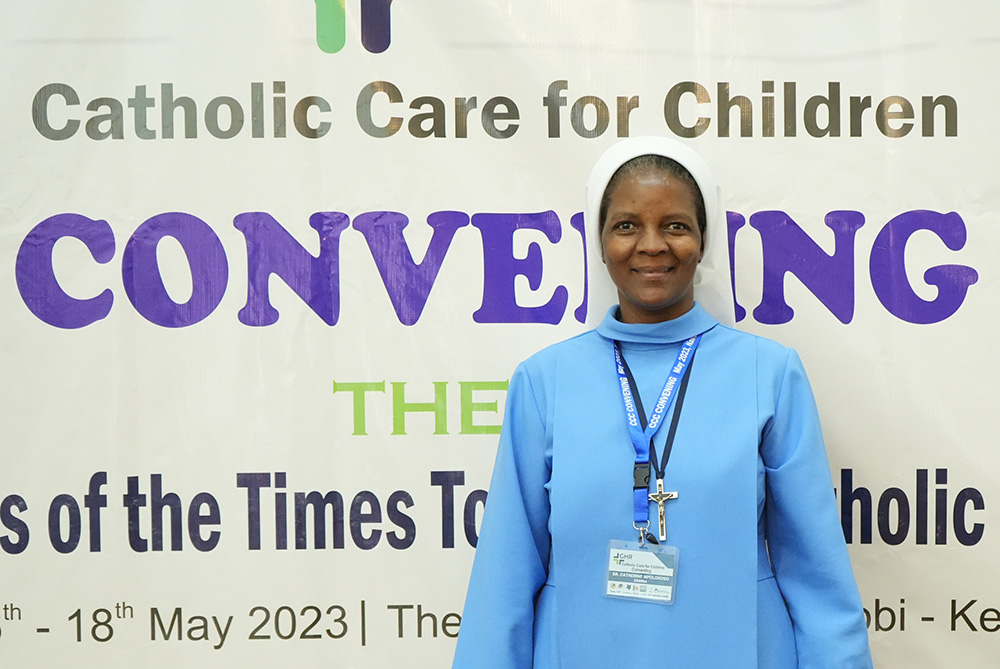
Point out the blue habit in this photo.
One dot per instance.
(763, 579)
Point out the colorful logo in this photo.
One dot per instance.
(331, 25)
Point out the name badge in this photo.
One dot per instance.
(647, 573)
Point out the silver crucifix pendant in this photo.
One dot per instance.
(661, 498)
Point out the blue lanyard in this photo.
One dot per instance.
(642, 435)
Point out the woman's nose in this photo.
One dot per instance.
(651, 241)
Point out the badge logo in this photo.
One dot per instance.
(331, 25)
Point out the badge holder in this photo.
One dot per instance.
(641, 572)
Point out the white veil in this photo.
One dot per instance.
(712, 284)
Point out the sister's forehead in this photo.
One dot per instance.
(643, 181)
(651, 170)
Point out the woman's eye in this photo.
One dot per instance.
(623, 225)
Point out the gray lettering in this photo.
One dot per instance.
(40, 111)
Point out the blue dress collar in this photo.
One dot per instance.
(692, 323)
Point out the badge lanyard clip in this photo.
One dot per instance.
(640, 487)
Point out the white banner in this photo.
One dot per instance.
(267, 268)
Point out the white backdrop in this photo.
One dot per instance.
(162, 442)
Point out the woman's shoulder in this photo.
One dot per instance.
(767, 351)
(585, 343)
(545, 371)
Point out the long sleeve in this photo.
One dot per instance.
(512, 554)
(804, 537)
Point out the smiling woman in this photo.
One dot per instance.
(568, 570)
(651, 238)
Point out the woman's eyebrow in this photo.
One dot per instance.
(626, 212)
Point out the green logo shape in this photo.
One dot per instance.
(331, 28)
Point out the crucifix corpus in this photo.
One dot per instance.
(661, 498)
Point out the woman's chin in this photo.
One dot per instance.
(633, 311)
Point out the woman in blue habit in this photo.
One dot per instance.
(661, 494)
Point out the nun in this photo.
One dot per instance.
(661, 494)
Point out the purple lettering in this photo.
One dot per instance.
(787, 248)
(206, 259)
(407, 283)
(734, 221)
(272, 250)
(888, 268)
(501, 269)
(36, 280)
(579, 225)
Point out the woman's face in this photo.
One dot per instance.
(652, 246)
